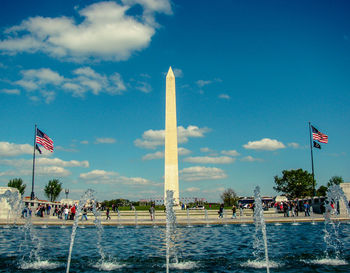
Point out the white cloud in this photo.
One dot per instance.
(178, 73)
(192, 189)
(52, 171)
(294, 145)
(98, 174)
(10, 91)
(202, 83)
(38, 81)
(44, 161)
(10, 173)
(64, 149)
(210, 160)
(151, 156)
(113, 178)
(197, 173)
(105, 140)
(134, 180)
(183, 151)
(151, 139)
(84, 142)
(104, 31)
(143, 87)
(45, 83)
(28, 85)
(42, 76)
(62, 163)
(39, 170)
(152, 5)
(230, 152)
(264, 144)
(205, 150)
(154, 138)
(88, 79)
(12, 149)
(224, 96)
(44, 166)
(250, 159)
(191, 131)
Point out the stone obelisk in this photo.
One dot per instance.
(171, 171)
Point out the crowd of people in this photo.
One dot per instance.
(66, 212)
(292, 208)
(289, 208)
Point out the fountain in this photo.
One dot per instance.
(136, 224)
(312, 216)
(87, 196)
(334, 244)
(206, 218)
(10, 204)
(260, 240)
(188, 217)
(32, 244)
(119, 222)
(170, 228)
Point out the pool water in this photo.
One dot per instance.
(292, 248)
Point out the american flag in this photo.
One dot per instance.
(317, 135)
(43, 139)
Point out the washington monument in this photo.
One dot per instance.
(171, 170)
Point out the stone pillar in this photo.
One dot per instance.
(346, 189)
(171, 176)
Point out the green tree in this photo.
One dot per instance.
(335, 180)
(322, 191)
(53, 189)
(229, 197)
(294, 183)
(18, 184)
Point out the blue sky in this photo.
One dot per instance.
(249, 77)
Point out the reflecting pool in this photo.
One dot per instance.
(228, 248)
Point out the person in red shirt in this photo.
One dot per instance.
(72, 212)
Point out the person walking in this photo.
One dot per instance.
(292, 208)
(25, 212)
(234, 212)
(285, 209)
(65, 211)
(72, 212)
(307, 208)
(151, 212)
(296, 209)
(108, 217)
(84, 215)
(221, 211)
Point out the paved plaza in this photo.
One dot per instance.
(194, 217)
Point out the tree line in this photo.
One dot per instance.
(52, 189)
(293, 184)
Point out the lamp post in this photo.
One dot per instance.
(66, 191)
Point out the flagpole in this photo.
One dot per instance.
(32, 193)
(312, 163)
